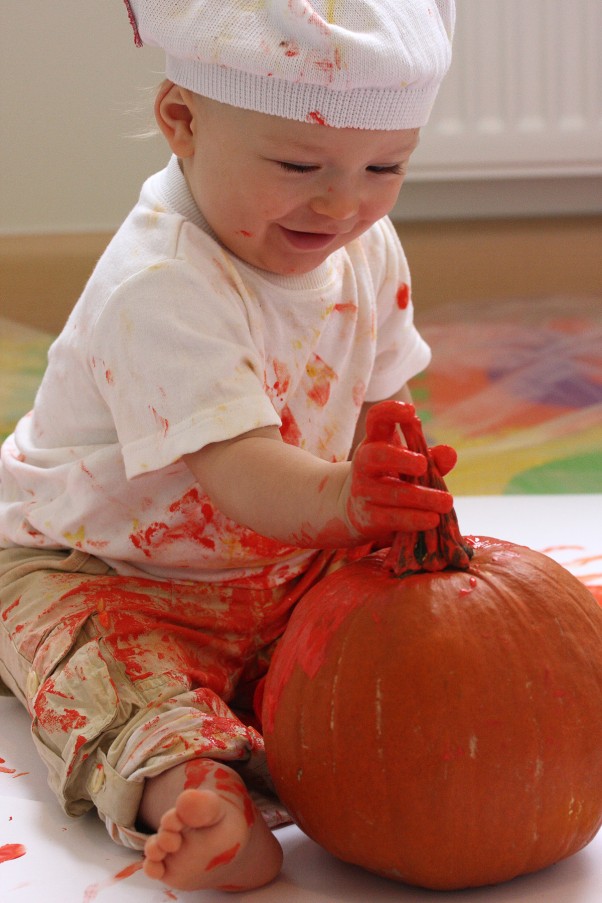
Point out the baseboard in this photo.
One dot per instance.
(496, 259)
(43, 275)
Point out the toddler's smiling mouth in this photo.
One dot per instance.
(307, 241)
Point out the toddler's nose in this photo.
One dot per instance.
(340, 203)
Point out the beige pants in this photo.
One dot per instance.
(126, 677)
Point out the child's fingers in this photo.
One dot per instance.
(384, 418)
(376, 520)
(444, 457)
(383, 459)
(392, 493)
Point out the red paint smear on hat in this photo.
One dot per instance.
(134, 24)
(316, 118)
(11, 851)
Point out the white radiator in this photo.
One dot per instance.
(523, 97)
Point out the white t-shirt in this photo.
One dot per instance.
(176, 343)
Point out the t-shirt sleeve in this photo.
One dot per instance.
(175, 361)
(401, 352)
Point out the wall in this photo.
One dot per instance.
(76, 92)
(69, 161)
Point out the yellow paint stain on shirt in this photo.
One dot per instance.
(77, 538)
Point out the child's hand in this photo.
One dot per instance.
(378, 500)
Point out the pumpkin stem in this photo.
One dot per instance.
(431, 550)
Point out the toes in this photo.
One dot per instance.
(170, 821)
(199, 808)
(154, 870)
(169, 841)
(153, 851)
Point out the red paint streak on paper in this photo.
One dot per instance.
(93, 890)
(596, 592)
(6, 770)
(223, 858)
(591, 580)
(11, 851)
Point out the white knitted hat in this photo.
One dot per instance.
(367, 64)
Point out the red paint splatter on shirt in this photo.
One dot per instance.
(12, 851)
(316, 118)
(289, 430)
(322, 376)
(345, 307)
(281, 381)
(403, 296)
(161, 422)
(359, 393)
(195, 514)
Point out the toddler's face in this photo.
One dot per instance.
(283, 195)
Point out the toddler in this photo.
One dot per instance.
(195, 460)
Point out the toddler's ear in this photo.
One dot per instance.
(174, 114)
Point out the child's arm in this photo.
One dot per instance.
(288, 494)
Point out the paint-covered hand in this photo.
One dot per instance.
(383, 495)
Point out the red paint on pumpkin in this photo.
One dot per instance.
(487, 697)
(458, 710)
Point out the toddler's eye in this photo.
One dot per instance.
(295, 167)
(395, 170)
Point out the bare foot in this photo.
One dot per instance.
(213, 836)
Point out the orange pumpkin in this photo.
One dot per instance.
(442, 728)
